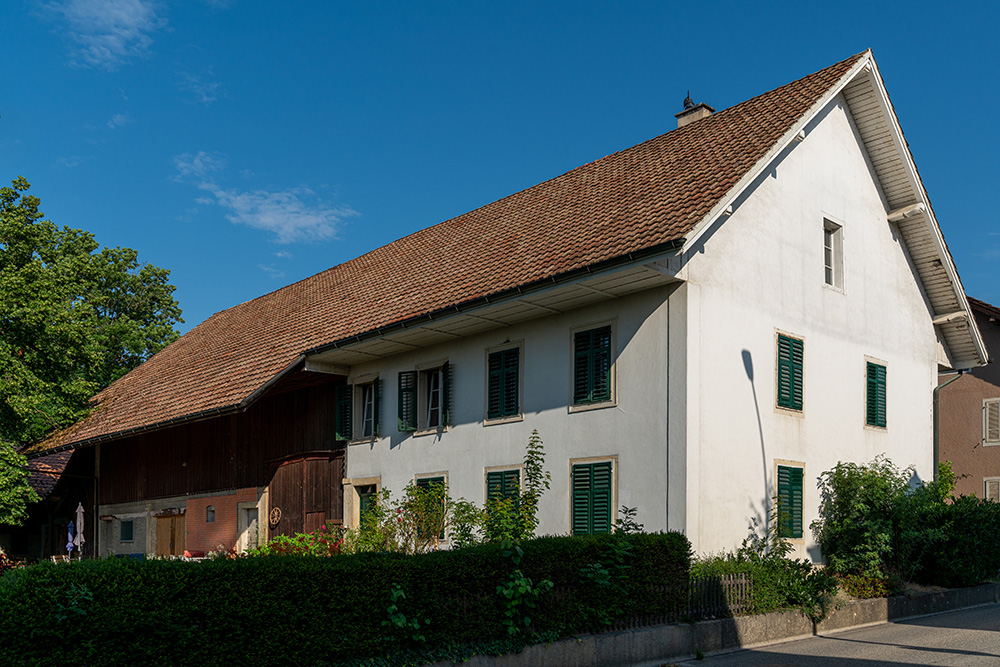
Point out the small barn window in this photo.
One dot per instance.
(127, 531)
(210, 514)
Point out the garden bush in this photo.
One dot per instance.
(306, 610)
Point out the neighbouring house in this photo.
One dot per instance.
(969, 415)
(695, 326)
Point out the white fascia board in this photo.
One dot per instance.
(918, 185)
(725, 204)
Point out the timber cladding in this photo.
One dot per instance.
(234, 451)
(307, 492)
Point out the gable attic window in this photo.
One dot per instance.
(356, 410)
(875, 399)
(833, 254)
(790, 363)
(991, 421)
(424, 398)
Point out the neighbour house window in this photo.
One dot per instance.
(429, 483)
(127, 531)
(991, 489)
(424, 398)
(210, 514)
(790, 358)
(592, 366)
(991, 421)
(503, 386)
(356, 410)
(592, 498)
(833, 254)
(875, 401)
(789, 501)
(504, 485)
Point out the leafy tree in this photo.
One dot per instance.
(74, 317)
(15, 494)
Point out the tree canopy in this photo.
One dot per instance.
(74, 317)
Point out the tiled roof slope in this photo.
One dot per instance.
(46, 471)
(626, 202)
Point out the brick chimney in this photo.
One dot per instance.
(692, 111)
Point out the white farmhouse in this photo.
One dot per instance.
(693, 325)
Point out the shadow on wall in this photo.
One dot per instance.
(748, 367)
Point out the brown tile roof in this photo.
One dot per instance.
(985, 308)
(46, 471)
(629, 201)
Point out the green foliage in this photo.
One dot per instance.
(519, 594)
(15, 493)
(626, 523)
(876, 530)
(778, 581)
(305, 610)
(326, 541)
(74, 317)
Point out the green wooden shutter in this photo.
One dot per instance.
(789, 502)
(342, 399)
(591, 511)
(875, 404)
(503, 368)
(376, 391)
(790, 362)
(503, 484)
(407, 401)
(494, 382)
(592, 365)
(446, 394)
(426, 483)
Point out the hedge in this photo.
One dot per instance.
(312, 611)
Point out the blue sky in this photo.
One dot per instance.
(245, 145)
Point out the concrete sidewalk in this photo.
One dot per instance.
(651, 647)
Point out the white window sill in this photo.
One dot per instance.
(504, 420)
(586, 407)
(877, 429)
(429, 431)
(991, 443)
(370, 440)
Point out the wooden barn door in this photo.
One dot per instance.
(306, 492)
(170, 535)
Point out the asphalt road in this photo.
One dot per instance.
(967, 637)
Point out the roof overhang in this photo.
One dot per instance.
(908, 206)
(608, 280)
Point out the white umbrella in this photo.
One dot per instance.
(79, 539)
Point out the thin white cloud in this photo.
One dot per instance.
(69, 161)
(119, 120)
(284, 254)
(293, 215)
(108, 33)
(271, 271)
(201, 88)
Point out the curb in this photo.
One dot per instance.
(651, 647)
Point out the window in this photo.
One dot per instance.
(356, 410)
(433, 483)
(833, 254)
(592, 502)
(503, 388)
(504, 485)
(127, 531)
(875, 403)
(424, 399)
(210, 514)
(592, 366)
(367, 497)
(790, 358)
(991, 421)
(789, 501)
(991, 489)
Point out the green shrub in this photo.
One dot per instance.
(309, 610)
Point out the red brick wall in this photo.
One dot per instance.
(220, 534)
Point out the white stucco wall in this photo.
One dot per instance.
(761, 271)
(634, 431)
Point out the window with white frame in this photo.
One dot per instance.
(991, 421)
(991, 489)
(833, 254)
(424, 397)
(356, 410)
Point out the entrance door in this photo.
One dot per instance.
(170, 535)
